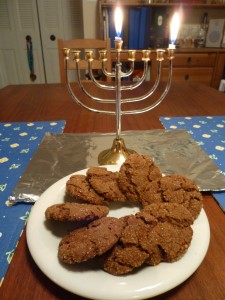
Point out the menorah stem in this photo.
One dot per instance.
(118, 152)
(116, 155)
(118, 96)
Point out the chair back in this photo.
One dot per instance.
(84, 44)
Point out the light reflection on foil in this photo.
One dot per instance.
(174, 151)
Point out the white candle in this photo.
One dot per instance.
(118, 23)
(172, 46)
(174, 28)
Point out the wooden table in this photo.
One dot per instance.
(21, 103)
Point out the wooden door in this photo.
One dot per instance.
(19, 19)
(58, 19)
(44, 21)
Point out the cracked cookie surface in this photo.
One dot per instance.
(79, 188)
(76, 212)
(105, 183)
(174, 189)
(173, 213)
(127, 253)
(150, 237)
(90, 241)
(168, 243)
(137, 171)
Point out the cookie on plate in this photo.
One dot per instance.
(167, 243)
(123, 260)
(76, 212)
(158, 233)
(127, 254)
(135, 173)
(174, 189)
(163, 243)
(173, 213)
(79, 188)
(104, 182)
(90, 241)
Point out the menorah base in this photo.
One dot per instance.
(116, 155)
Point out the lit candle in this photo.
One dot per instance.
(174, 28)
(118, 23)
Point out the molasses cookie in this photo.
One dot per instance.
(90, 241)
(79, 188)
(128, 254)
(105, 183)
(167, 243)
(76, 212)
(121, 261)
(155, 234)
(173, 213)
(135, 173)
(174, 189)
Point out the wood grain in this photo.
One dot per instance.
(24, 103)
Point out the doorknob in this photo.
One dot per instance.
(28, 38)
(189, 59)
(52, 37)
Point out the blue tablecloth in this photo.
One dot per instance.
(209, 133)
(18, 143)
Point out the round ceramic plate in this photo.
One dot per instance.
(87, 279)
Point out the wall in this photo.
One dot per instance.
(90, 18)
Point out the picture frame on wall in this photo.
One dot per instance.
(215, 33)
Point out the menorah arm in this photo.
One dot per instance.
(151, 91)
(97, 83)
(129, 72)
(105, 72)
(75, 99)
(158, 101)
(139, 81)
(97, 99)
(112, 74)
(148, 94)
(123, 74)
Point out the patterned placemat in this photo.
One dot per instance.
(18, 143)
(209, 133)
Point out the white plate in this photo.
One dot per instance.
(89, 281)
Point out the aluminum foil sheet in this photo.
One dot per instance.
(59, 155)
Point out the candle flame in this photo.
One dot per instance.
(118, 20)
(174, 27)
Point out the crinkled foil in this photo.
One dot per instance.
(61, 154)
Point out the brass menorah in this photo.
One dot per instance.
(118, 152)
